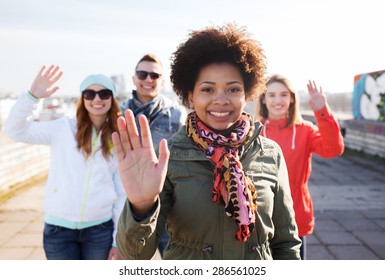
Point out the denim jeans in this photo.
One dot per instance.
(163, 243)
(93, 243)
(303, 248)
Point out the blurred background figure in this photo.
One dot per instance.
(278, 110)
(84, 194)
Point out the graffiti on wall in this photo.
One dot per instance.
(369, 96)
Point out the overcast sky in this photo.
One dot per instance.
(329, 41)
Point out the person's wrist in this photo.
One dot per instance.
(142, 209)
(32, 94)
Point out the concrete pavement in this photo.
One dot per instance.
(349, 201)
(21, 225)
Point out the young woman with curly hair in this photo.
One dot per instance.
(84, 194)
(220, 188)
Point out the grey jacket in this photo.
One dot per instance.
(170, 120)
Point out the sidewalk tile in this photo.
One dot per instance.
(337, 238)
(11, 253)
(354, 252)
(25, 240)
(8, 230)
(360, 224)
(371, 237)
(37, 254)
(318, 252)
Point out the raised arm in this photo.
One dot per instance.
(326, 140)
(141, 172)
(20, 125)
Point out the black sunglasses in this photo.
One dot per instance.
(142, 75)
(104, 94)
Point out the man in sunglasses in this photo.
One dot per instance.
(164, 115)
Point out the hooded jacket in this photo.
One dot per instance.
(298, 142)
(198, 227)
(79, 192)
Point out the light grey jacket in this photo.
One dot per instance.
(170, 120)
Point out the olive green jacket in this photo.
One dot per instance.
(200, 228)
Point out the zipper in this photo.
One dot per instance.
(94, 143)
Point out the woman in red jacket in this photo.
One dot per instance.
(278, 109)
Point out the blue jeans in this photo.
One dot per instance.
(303, 248)
(93, 243)
(163, 243)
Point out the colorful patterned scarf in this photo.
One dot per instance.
(232, 187)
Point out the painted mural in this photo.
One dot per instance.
(369, 96)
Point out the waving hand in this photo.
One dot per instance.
(142, 173)
(43, 84)
(317, 98)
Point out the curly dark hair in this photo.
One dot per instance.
(226, 44)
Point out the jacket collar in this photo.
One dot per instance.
(280, 123)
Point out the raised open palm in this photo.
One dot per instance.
(317, 99)
(142, 173)
(42, 86)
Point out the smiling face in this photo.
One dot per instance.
(218, 96)
(97, 108)
(277, 99)
(149, 88)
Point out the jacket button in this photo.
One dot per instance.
(207, 248)
(255, 247)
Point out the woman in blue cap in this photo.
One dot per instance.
(84, 195)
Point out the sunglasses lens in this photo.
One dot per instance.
(142, 75)
(105, 94)
(154, 76)
(89, 94)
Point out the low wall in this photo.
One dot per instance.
(365, 136)
(361, 135)
(20, 164)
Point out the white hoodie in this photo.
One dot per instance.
(79, 192)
